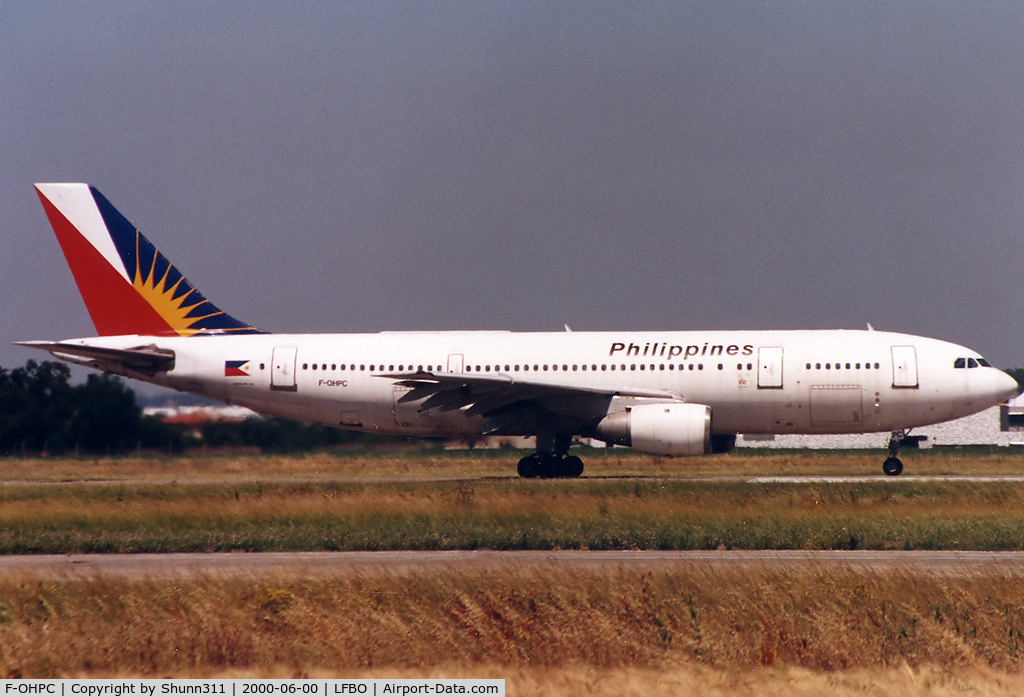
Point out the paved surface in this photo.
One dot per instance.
(162, 566)
(326, 479)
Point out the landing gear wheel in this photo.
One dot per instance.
(530, 466)
(892, 466)
(551, 467)
(572, 466)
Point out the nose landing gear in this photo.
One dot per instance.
(893, 466)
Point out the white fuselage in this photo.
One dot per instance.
(756, 382)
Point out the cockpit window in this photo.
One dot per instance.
(983, 362)
(960, 363)
(971, 363)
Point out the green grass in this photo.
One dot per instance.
(228, 509)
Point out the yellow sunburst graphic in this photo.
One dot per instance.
(173, 310)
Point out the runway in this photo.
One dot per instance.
(727, 478)
(341, 564)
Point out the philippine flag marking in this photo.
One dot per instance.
(236, 369)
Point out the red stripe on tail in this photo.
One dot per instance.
(114, 305)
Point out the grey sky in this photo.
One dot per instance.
(362, 166)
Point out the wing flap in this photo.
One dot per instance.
(508, 401)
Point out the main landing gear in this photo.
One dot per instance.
(552, 459)
(550, 466)
(892, 465)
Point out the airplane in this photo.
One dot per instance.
(667, 393)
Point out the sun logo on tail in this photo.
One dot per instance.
(180, 306)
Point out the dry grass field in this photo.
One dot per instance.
(793, 631)
(548, 631)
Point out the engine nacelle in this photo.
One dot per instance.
(675, 429)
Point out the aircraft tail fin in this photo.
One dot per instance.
(128, 286)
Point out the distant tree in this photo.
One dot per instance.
(275, 435)
(40, 411)
(105, 415)
(35, 405)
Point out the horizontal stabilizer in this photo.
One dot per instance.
(148, 360)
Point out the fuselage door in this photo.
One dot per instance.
(769, 367)
(904, 366)
(455, 362)
(282, 368)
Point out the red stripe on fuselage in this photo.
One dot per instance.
(114, 305)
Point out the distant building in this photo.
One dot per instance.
(193, 418)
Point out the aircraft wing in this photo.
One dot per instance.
(148, 360)
(511, 402)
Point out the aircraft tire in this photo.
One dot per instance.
(551, 467)
(572, 466)
(530, 467)
(892, 466)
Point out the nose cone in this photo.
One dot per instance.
(1003, 386)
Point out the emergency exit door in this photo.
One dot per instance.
(904, 366)
(769, 367)
(282, 368)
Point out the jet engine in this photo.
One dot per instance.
(675, 429)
